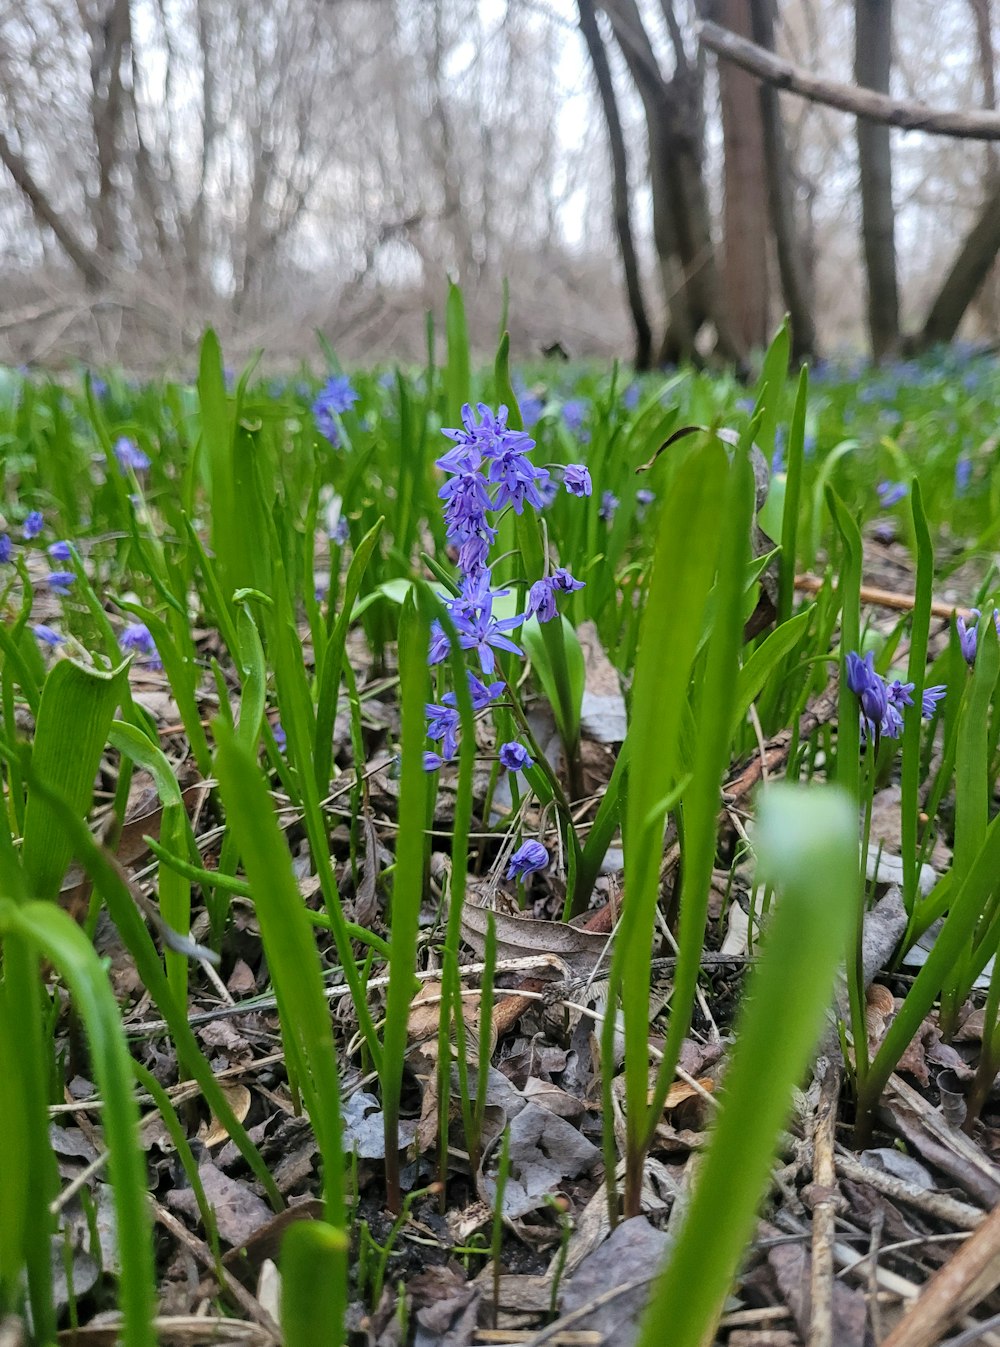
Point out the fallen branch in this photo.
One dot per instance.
(864, 103)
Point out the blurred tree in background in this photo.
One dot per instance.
(272, 167)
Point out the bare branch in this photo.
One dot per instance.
(874, 107)
(46, 214)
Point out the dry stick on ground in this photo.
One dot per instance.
(957, 1287)
(874, 107)
(886, 598)
(249, 1304)
(825, 1200)
(939, 1205)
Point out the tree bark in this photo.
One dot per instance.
(781, 202)
(45, 213)
(745, 207)
(619, 165)
(681, 219)
(109, 40)
(872, 66)
(968, 272)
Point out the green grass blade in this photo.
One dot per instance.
(671, 631)
(793, 495)
(458, 376)
(807, 847)
(408, 878)
(713, 740)
(314, 1265)
(333, 659)
(62, 942)
(291, 952)
(74, 717)
(916, 674)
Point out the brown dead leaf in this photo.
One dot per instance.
(238, 1098)
(239, 1212)
(246, 1260)
(518, 937)
(681, 1091)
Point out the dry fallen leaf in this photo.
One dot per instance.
(238, 1098)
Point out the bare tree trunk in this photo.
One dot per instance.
(791, 262)
(745, 213)
(681, 219)
(619, 165)
(968, 272)
(45, 213)
(109, 39)
(872, 65)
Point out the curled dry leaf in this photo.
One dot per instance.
(238, 1098)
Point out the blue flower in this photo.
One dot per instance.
(6, 547)
(968, 637)
(531, 410)
(335, 397)
(869, 688)
(280, 737)
(630, 398)
(529, 857)
(129, 455)
(931, 698)
(59, 551)
(480, 693)
(340, 532)
(432, 761)
(542, 601)
(516, 758)
(963, 475)
(890, 494)
(60, 581)
(33, 525)
(138, 638)
(609, 504)
(47, 635)
(574, 413)
(442, 723)
(644, 497)
(576, 479)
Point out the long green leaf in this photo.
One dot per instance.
(291, 952)
(60, 940)
(807, 847)
(74, 717)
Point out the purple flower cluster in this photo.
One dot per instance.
(488, 470)
(129, 455)
(335, 397)
(882, 703)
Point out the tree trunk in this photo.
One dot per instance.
(872, 64)
(968, 272)
(791, 262)
(45, 213)
(745, 212)
(619, 166)
(681, 219)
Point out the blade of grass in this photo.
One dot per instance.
(291, 952)
(807, 847)
(408, 877)
(61, 941)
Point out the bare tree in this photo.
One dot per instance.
(746, 226)
(872, 67)
(619, 167)
(791, 263)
